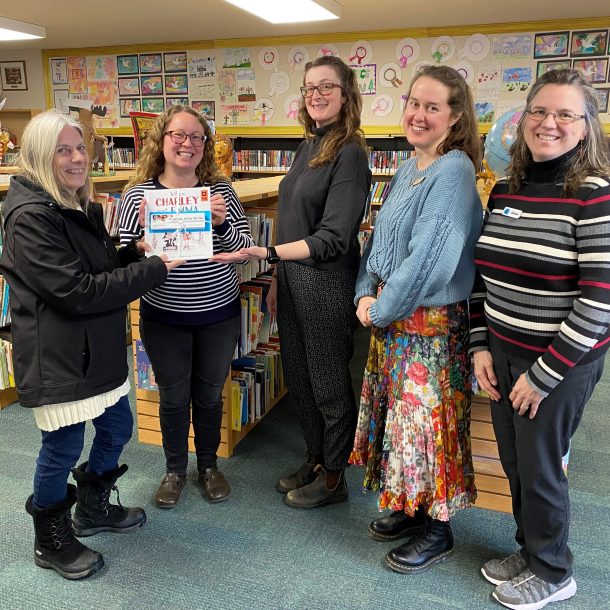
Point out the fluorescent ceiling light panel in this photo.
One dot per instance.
(11, 29)
(291, 11)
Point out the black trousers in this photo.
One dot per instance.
(191, 364)
(316, 320)
(531, 453)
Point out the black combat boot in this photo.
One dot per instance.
(399, 525)
(94, 513)
(303, 476)
(435, 545)
(55, 546)
(317, 493)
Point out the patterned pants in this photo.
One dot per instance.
(316, 321)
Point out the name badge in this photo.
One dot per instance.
(512, 212)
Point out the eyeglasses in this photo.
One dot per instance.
(560, 117)
(322, 89)
(178, 137)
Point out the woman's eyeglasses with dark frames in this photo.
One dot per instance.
(178, 137)
(322, 89)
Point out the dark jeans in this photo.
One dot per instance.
(531, 453)
(61, 449)
(191, 364)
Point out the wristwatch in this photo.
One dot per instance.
(272, 256)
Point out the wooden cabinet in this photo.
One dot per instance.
(16, 120)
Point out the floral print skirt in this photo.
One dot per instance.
(413, 433)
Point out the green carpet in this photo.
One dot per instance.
(255, 552)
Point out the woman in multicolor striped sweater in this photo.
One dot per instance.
(540, 321)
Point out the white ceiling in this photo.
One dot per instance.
(82, 23)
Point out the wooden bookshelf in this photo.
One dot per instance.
(15, 120)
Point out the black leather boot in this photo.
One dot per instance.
(316, 493)
(398, 525)
(94, 513)
(303, 476)
(435, 545)
(55, 546)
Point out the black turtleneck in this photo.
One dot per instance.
(551, 171)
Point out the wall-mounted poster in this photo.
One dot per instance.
(151, 85)
(595, 70)
(77, 75)
(153, 104)
(127, 64)
(589, 44)
(129, 105)
(129, 86)
(150, 63)
(176, 84)
(174, 62)
(206, 108)
(366, 78)
(59, 71)
(546, 66)
(551, 44)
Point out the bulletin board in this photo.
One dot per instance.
(251, 86)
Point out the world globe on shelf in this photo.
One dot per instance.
(499, 140)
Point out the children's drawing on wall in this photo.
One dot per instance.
(264, 109)
(150, 63)
(129, 85)
(382, 105)
(202, 90)
(602, 98)
(234, 114)
(227, 85)
(328, 49)
(291, 107)
(77, 75)
(390, 75)
(202, 67)
(105, 94)
(174, 62)
(594, 70)
(485, 112)
(547, 66)
(489, 77)
(407, 51)
(127, 64)
(517, 80)
(153, 104)
(60, 100)
(442, 49)
(297, 58)
(268, 58)
(476, 48)
(176, 84)
(366, 77)
(246, 85)
(465, 69)
(59, 71)
(128, 105)
(515, 46)
(176, 101)
(236, 58)
(588, 44)
(207, 108)
(279, 83)
(551, 44)
(361, 53)
(151, 85)
(101, 68)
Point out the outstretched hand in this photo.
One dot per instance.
(245, 254)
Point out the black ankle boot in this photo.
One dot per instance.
(303, 476)
(94, 513)
(435, 545)
(316, 493)
(398, 525)
(55, 546)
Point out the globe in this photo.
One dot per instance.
(499, 140)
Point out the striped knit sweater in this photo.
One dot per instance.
(200, 291)
(545, 264)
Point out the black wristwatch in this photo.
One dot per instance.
(272, 256)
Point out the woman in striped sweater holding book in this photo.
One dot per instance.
(540, 321)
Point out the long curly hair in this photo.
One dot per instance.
(464, 133)
(152, 162)
(593, 158)
(347, 127)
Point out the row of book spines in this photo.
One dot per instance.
(261, 229)
(278, 160)
(110, 203)
(122, 157)
(379, 191)
(5, 311)
(258, 325)
(7, 377)
(388, 161)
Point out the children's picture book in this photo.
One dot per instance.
(178, 223)
(146, 375)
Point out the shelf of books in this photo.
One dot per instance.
(255, 384)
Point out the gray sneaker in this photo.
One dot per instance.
(497, 571)
(528, 592)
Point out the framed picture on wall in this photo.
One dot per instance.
(151, 85)
(59, 71)
(129, 86)
(175, 101)
(595, 70)
(176, 84)
(602, 94)
(129, 105)
(127, 64)
(150, 63)
(546, 66)
(153, 104)
(551, 44)
(589, 44)
(205, 107)
(174, 62)
(12, 76)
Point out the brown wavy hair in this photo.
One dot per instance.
(593, 158)
(464, 132)
(347, 127)
(152, 162)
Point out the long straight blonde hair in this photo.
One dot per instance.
(35, 160)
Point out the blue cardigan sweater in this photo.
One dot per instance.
(423, 243)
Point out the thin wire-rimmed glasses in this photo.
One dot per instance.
(560, 116)
(322, 89)
(178, 137)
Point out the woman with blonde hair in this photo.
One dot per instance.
(190, 324)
